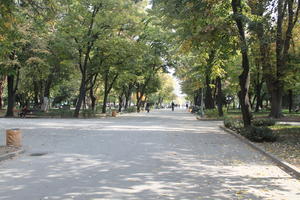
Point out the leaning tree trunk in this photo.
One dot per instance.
(81, 97)
(244, 78)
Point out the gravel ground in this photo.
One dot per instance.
(5, 149)
(160, 155)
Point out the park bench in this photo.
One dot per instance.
(24, 113)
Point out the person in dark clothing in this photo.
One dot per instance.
(147, 107)
(24, 111)
(173, 106)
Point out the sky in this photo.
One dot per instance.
(177, 88)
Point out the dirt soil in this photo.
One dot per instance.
(287, 149)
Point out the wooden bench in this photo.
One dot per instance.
(25, 113)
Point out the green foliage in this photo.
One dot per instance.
(286, 129)
(233, 124)
(263, 122)
(259, 134)
(212, 113)
(88, 113)
(130, 109)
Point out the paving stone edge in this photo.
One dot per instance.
(11, 155)
(287, 167)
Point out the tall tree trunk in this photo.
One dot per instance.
(197, 98)
(138, 101)
(220, 97)
(46, 103)
(276, 102)
(283, 40)
(93, 99)
(128, 93)
(244, 78)
(2, 80)
(36, 93)
(209, 100)
(12, 86)
(290, 101)
(258, 88)
(120, 102)
(11, 96)
(104, 105)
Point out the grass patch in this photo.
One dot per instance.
(286, 129)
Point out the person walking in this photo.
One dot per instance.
(173, 105)
(147, 107)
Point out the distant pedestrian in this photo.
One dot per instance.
(148, 107)
(187, 106)
(173, 105)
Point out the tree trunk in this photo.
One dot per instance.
(244, 78)
(11, 96)
(104, 105)
(36, 93)
(197, 98)
(128, 95)
(120, 102)
(107, 88)
(138, 101)
(81, 97)
(209, 100)
(258, 97)
(220, 97)
(290, 101)
(276, 103)
(283, 40)
(2, 79)
(93, 99)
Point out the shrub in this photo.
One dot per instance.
(66, 113)
(263, 122)
(88, 113)
(196, 109)
(211, 113)
(130, 109)
(233, 124)
(259, 134)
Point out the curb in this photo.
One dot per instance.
(206, 119)
(290, 169)
(11, 155)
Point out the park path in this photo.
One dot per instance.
(157, 155)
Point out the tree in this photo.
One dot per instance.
(244, 78)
